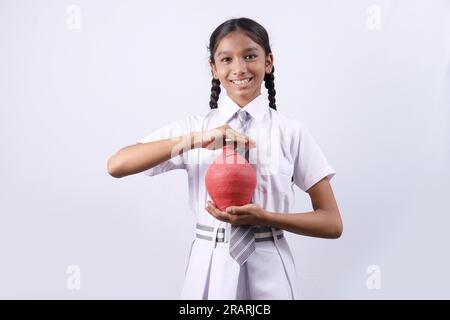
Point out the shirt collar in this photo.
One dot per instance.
(257, 108)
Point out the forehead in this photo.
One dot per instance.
(237, 42)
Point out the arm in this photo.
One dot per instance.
(143, 156)
(324, 222)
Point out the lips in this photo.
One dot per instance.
(241, 82)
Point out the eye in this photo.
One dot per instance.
(250, 55)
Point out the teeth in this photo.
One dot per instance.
(241, 81)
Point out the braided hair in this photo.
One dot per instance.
(269, 82)
(258, 34)
(215, 91)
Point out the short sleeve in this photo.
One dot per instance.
(171, 130)
(310, 164)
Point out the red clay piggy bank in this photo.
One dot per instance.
(230, 180)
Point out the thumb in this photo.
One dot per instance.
(236, 210)
(231, 210)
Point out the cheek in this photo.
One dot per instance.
(259, 79)
(224, 80)
(222, 76)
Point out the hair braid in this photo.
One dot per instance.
(215, 91)
(269, 80)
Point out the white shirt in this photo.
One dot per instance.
(285, 149)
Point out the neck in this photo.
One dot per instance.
(243, 101)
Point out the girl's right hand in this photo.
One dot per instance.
(216, 138)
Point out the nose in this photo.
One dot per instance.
(239, 67)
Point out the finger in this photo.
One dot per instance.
(237, 210)
(230, 210)
(211, 206)
(235, 138)
(217, 213)
(251, 143)
(237, 141)
(211, 211)
(238, 220)
(233, 134)
(210, 141)
(246, 141)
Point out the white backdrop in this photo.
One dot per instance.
(81, 79)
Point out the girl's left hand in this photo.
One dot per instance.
(249, 214)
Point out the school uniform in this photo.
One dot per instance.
(285, 149)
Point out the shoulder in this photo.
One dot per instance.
(290, 126)
(194, 120)
(191, 122)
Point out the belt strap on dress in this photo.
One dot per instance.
(261, 233)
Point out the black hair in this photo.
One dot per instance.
(258, 34)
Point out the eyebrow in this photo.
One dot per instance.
(245, 50)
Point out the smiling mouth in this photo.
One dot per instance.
(242, 83)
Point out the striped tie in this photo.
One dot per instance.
(242, 238)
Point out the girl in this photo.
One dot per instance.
(283, 153)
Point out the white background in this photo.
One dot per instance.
(374, 89)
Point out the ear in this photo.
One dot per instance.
(213, 70)
(269, 63)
